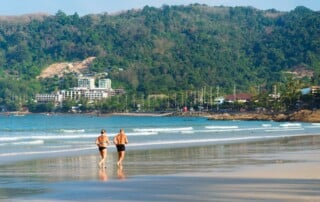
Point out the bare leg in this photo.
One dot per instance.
(121, 155)
(103, 155)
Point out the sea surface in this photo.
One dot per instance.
(36, 136)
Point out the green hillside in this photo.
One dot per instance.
(161, 50)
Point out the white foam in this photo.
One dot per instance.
(72, 131)
(187, 132)
(8, 139)
(46, 152)
(35, 142)
(222, 127)
(142, 133)
(314, 125)
(162, 129)
(65, 137)
(290, 125)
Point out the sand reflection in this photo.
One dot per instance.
(103, 176)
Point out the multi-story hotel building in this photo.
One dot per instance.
(86, 89)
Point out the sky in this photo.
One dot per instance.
(84, 7)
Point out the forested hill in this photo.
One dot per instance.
(163, 49)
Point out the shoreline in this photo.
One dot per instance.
(276, 170)
(299, 116)
(309, 116)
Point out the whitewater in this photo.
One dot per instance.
(35, 136)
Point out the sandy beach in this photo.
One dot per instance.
(277, 170)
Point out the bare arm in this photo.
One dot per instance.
(115, 141)
(108, 141)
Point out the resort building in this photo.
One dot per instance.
(105, 83)
(86, 82)
(45, 98)
(86, 89)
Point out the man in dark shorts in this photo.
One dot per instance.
(102, 141)
(120, 140)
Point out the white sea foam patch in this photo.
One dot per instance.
(35, 142)
(47, 137)
(16, 139)
(6, 139)
(314, 125)
(72, 130)
(290, 125)
(142, 133)
(187, 132)
(53, 137)
(222, 127)
(46, 152)
(162, 129)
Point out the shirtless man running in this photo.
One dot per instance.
(120, 140)
(102, 141)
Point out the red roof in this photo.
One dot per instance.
(239, 96)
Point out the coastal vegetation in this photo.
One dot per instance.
(166, 58)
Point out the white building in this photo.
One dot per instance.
(86, 82)
(105, 83)
(90, 94)
(86, 89)
(45, 98)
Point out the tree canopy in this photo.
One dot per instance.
(167, 49)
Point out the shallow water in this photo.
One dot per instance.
(38, 136)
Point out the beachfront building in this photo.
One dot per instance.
(86, 82)
(105, 83)
(240, 98)
(86, 89)
(46, 98)
(90, 94)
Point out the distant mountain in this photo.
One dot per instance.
(157, 50)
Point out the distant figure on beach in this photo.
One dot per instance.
(120, 140)
(102, 142)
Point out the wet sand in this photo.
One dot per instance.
(279, 170)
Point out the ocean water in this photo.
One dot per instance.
(38, 135)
